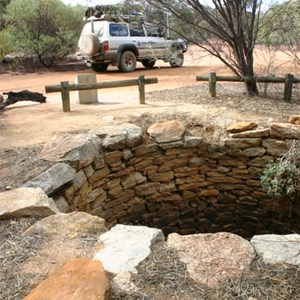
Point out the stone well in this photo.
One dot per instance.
(169, 179)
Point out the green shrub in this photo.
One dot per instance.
(283, 177)
(5, 46)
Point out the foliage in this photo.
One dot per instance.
(282, 29)
(45, 28)
(3, 5)
(5, 46)
(283, 178)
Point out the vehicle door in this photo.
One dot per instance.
(156, 40)
(118, 36)
(139, 38)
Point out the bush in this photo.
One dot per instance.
(283, 178)
(5, 46)
(46, 29)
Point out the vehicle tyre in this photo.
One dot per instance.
(148, 63)
(127, 62)
(99, 67)
(177, 59)
(89, 44)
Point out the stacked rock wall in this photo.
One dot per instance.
(175, 181)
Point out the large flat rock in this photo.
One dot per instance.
(274, 249)
(26, 202)
(213, 258)
(124, 247)
(79, 279)
(52, 179)
(78, 150)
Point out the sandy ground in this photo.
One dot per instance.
(27, 123)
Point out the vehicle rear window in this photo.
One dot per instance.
(118, 30)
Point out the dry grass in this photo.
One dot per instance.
(162, 276)
(233, 104)
(19, 165)
(278, 282)
(14, 250)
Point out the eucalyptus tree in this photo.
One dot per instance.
(227, 29)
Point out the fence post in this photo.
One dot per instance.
(141, 80)
(65, 95)
(212, 84)
(288, 87)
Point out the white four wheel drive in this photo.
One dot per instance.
(106, 41)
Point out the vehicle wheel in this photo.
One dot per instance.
(99, 67)
(177, 59)
(148, 63)
(127, 62)
(89, 44)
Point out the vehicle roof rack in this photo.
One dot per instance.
(112, 13)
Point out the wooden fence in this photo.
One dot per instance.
(65, 88)
(288, 81)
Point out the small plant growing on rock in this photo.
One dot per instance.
(282, 178)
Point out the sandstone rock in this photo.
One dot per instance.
(132, 180)
(77, 149)
(275, 147)
(213, 258)
(166, 132)
(120, 136)
(26, 202)
(54, 178)
(255, 151)
(79, 279)
(285, 131)
(162, 177)
(122, 281)
(171, 145)
(61, 204)
(124, 247)
(259, 133)
(241, 126)
(294, 120)
(79, 179)
(115, 142)
(68, 226)
(192, 141)
(274, 249)
(243, 143)
(261, 161)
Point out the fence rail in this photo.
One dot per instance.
(65, 88)
(288, 81)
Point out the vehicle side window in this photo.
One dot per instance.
(153, 31)
(136, 30)
(118, 30)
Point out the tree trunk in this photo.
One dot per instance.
(251, 86)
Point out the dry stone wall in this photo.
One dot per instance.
(169, 179)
